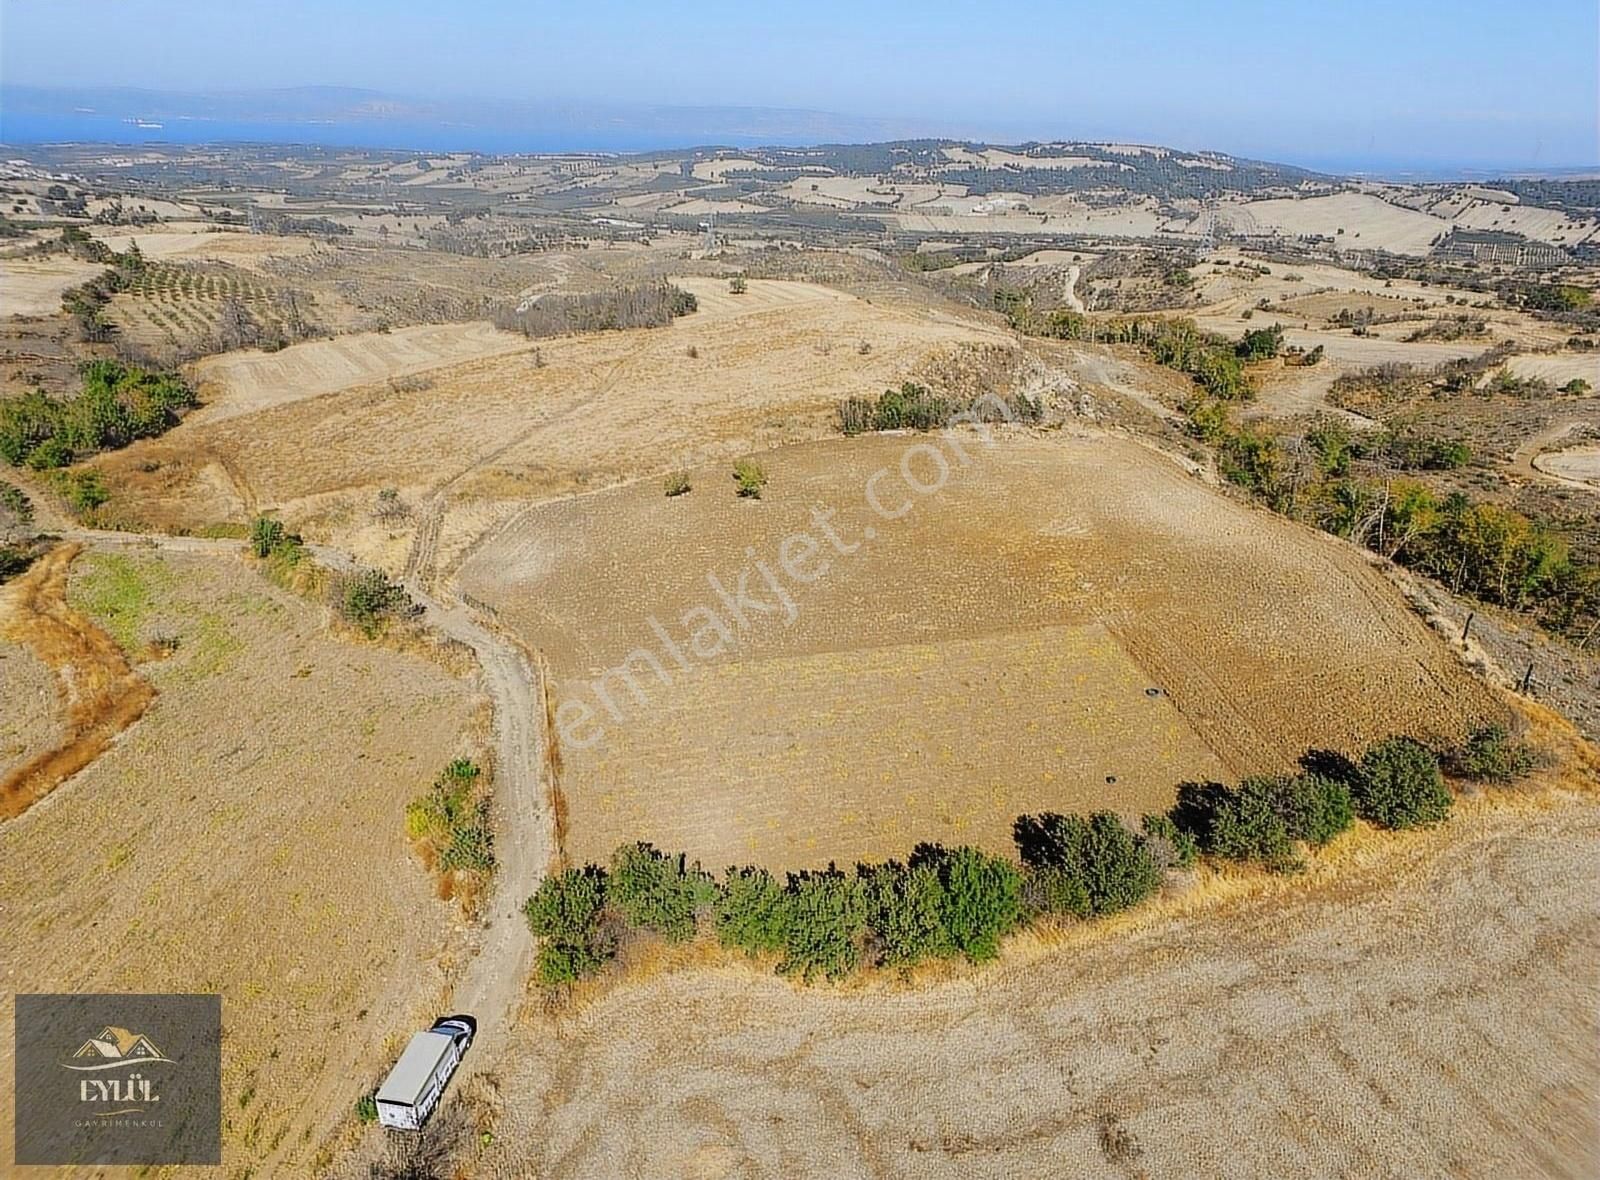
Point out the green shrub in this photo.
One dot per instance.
(1315, 807)
(84, 490)
(1261, 344)
(15, 501)
(905, 911)
(453, 820)
(856, 415)
(658, 892)
(1490, 756)
(676, 484)
(1399, 785)
(1263, 817)
(980, 897)
(749, 478)
(1053, 889)
(367, 1108)
(737, 285)
(1100, 854)
(750, 912)
(825, 922)
(368, 599)
(266, 534)
(567, 913)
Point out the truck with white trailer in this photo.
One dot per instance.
(416, 1083)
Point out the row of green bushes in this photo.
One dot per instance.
(916, 407)
(115, 404)
(947, 902)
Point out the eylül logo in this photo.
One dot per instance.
(119, 1079)
(123, 1061)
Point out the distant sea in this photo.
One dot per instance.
(27, 128)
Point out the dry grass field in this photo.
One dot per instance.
(1581, 464)
(988, 654)
(34, 286)
(1415, 1008)
(244, 382)
(31, 720)
(245, 837)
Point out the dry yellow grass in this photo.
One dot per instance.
(589, 411)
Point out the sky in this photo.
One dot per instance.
(1463, 82)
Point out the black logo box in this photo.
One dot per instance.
(118, 1079)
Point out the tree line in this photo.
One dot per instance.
(916, 407)
(650, 306)
(943, 902)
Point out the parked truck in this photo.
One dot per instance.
(416, 1083)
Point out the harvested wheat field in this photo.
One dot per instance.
(244, 382)
(1415, 1007)
(246, 836)
(1070, 623)
(583, 411)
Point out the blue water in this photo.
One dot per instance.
(27, 128)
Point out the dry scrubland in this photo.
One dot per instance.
(587, 411)
(1417, 1007)
(245, 837)
(987, 655)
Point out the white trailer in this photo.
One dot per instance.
(416, 1083)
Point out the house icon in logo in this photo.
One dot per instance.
(115, 1046)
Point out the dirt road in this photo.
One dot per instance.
(1525, 460)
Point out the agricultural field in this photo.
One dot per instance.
(248, 381)
(196, 855)
(574, 413)
(1032, 636)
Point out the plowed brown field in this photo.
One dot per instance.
(1071, 622)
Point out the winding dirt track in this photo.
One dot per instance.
(1525, 461)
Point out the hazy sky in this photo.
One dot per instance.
(1456, 81)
